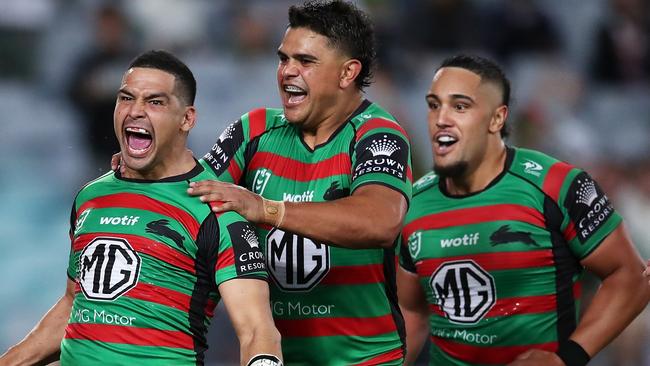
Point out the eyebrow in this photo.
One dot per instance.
(298, 56)
(148, 97)
(453, 97)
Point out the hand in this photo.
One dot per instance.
(233, 198)
(116, 162)
(537, 357)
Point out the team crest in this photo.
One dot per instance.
(262, 177)
(415, 242)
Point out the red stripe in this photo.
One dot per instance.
(515, 306)
(569, 232)
(492, 261)
(160, 295)
(142, 202)
(354, 275)
(144, 246)
(393, 355)
(256, 123)
(379, 123)
(409, 174)
(129, 335)
(209, 308)
(319, 327)
(487, 355)
(339, 164)
(225, 259)
(234, 170)
(475, 215)
(554, 179)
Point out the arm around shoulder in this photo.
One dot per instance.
(44, 341)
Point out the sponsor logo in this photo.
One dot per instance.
(294, 262)
(306, 196)
(334, 192)
(532, 167)
(504, 236)
(464, 291)
(381, 153)
(465, 240)
(227, 133)
(108, 268)
(260, 180)
(383, 147)
(94, 316)
(81, 219)
(161, 227)
(424, 180)
(119, 220)
(588, 206)
(415, 243)
(246, 247)
(465, 335)
(290, 308)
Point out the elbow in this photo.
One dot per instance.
(384, 235)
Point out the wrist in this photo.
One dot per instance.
(572, 354)
(273, 212)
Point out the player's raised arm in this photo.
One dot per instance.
(43, 343)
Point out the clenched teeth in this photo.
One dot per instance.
(293, 89)
(137, 130)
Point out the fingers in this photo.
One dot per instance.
(115, 161)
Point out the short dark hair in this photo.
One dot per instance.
(162, 60)
(489, 71)
(347, 28)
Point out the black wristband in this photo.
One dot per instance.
(573, 354)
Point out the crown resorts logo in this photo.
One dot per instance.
(383, 147)
(227, 133)
(250, 238)
(586, 193)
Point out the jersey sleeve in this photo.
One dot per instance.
(239, 254)
(382, 155)
(227, 157)
(73, 266)
(589, 214)
(405, 259)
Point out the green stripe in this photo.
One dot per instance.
(83, 352)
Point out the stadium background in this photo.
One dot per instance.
(581, 85)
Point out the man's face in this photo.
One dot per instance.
(149, 120)
(308, 74)
(461, 108)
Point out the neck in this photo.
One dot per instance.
(320, 132)
(478, 178)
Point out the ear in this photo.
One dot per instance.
(498, 119)
(349, 72)
(189, 119)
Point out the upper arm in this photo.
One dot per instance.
(616, 252)
(247, 303)
(389, 202)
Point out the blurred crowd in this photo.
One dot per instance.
(580, 72)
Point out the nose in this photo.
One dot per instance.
(289, 68)
(440, 117)
(136, 110)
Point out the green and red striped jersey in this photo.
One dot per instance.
(147, 260)
(333, 306)
(500, 267)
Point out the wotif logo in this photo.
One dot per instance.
(383, 147)
(306, 196)
(117, 220)
(532, 167)
(465, 240)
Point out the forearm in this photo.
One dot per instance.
(260, 340)
(44, 340)
(351, 222)
(417, 330)
(621, 297)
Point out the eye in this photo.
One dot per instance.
(156, 102)
(124, 98)
(283, 58)
(461, 106)
(433, 105)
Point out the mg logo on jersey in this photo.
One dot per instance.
(108, 268)
(296, 263)
(261, 179)
(464, 290)
(415, 242)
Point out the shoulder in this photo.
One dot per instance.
(260, 120)
(425, 183)
(374, 119)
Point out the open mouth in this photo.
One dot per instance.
(138, 139)
(296, 94)
(446, 140)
